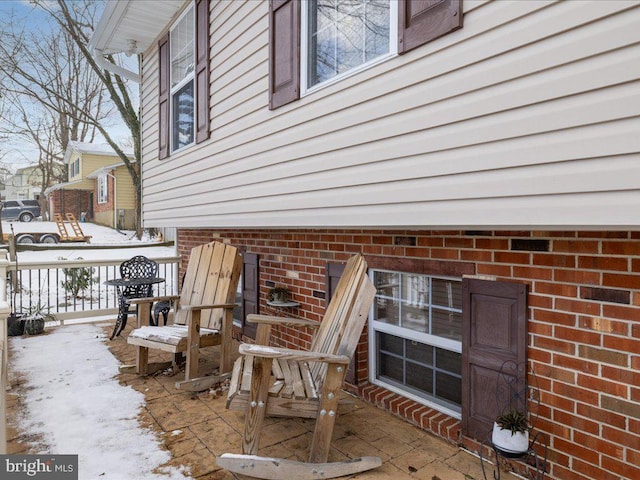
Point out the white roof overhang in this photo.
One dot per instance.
(132, 26)
(103, 170)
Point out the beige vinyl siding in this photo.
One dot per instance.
(528, 116)
(125, 197)
(88, 164)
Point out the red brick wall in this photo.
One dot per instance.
(71, 201)
(584, 324)
(108, 205)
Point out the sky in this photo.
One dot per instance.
(20, 154)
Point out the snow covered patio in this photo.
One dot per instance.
(67, 397)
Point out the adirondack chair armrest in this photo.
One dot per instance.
(290, 354)
(209, 307)
(288, 322)
(166, 298)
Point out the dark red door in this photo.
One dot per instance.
(494, 331)
(250, 292)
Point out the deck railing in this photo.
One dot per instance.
(4, 351)
(75, 288)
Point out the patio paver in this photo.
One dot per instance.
(197, 427)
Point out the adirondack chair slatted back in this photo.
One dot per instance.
(211, 278)
(345, 316)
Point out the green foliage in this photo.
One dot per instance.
(38, 310)
(77, 279)
(279, 294)
(513, 420)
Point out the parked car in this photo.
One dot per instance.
(23, 210)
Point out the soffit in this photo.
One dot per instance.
(126, 20)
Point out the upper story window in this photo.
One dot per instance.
(345, 36)
(312, 42)
(182, 58)
(183, 71)
(103, 195)
(74, 168)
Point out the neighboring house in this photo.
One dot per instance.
(25, 184)
(485, 158)
(99, 187)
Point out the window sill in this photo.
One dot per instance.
(346, 75)
(416, 398)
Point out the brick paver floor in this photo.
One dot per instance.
(197, 427)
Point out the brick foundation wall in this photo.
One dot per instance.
(107, 207)
(71, 201)
(583, 311)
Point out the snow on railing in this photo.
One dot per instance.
(75, 288)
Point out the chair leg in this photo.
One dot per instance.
(142, 353)
(257, 406)
(121, 320)
(193, 346)
(327, 413)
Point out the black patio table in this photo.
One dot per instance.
(122, 284)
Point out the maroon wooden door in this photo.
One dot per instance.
(333, 273)
(494, 331)
(250, 292)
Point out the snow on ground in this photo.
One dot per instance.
(77, 407)
(99, 236)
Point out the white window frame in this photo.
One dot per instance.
(189, 78)
(74, 168)
(405, 333)
(103, 189)
(304, 50)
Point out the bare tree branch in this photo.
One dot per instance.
(56, 72)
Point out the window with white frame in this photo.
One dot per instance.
(416, 335)
(182, 61)
(103, 191)
(340, 37)
(74, 168)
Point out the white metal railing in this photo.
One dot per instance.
(75, 288)
(4, 351)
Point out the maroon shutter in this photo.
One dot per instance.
(284, 52)
(163, 94)
(202, 70)
(494, 331)
(333, 273)
(250, 292)
(420, 21)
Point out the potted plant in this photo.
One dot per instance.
(15, 324)
(15, 320)
(35, 317)
(511, 433)
(279, 294)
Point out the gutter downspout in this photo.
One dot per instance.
(98, 56)
(115, 201)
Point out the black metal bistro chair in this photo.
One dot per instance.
(138, 267)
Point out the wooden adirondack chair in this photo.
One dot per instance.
(203, 317)
(285, 382)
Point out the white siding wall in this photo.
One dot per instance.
(526, 117)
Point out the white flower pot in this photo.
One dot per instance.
(511, 443)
